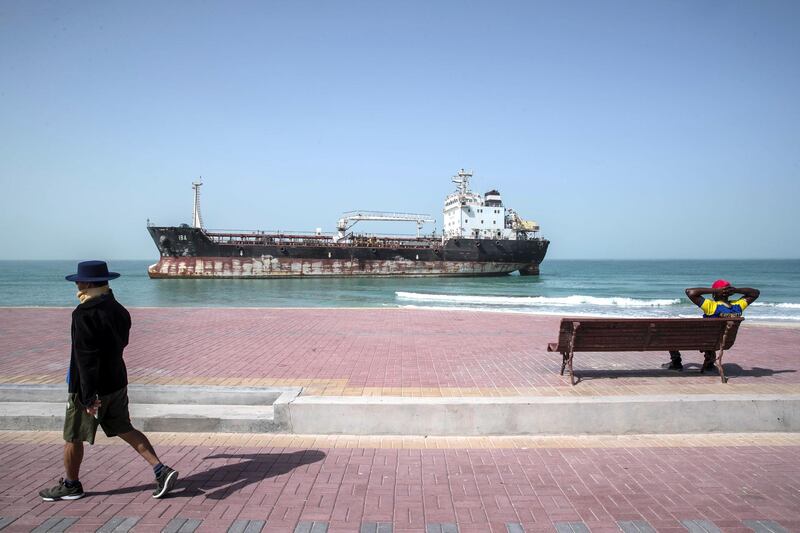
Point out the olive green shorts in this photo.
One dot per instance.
(112, 416)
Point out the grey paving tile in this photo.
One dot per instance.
(376, 527)
(446, 527)
(182, 525)
(173, 525)
(319, 527)
(761, 526)
(700, 526)
(190, 525)
(4, 521)
(255, 526)
(247, 526)
(55, 524)
(311, 527)
(119, 524)
(635, 526)
(238, 526)
(571, 527)
(514, 527)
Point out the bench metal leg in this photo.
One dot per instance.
(719, 366)
(571, 373)
(575, 326)
(728, 328)
(564, 358)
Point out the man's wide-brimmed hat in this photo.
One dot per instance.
(92, 271)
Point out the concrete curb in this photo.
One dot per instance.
(283, 410)
(545, 415)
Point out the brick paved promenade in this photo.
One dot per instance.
(286, 484)
(385, 352)
(736, 483)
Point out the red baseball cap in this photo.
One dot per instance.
(720, 284)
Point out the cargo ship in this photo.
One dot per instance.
(480, 237)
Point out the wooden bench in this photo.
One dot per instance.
(644, 335)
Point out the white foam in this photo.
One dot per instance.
(535, 301)
(535, 312)
(781, 305)
(584, 313)
(776, 317)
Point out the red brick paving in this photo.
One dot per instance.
(381, 351)
(478, 489)
(394, 351)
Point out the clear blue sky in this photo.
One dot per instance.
(626, 129)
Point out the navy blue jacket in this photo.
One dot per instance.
(100, 328)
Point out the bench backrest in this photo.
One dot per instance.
(645, 334)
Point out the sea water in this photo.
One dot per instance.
(565, 287)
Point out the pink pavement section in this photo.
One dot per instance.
(384, 352)
(477, 490)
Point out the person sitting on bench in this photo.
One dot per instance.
(718, 306)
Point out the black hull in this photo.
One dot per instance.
(191, 253)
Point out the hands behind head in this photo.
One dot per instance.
(725, 292)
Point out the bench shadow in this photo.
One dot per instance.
(221, 481)
(690, 370)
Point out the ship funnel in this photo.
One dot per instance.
(197, 218)
(493, 198)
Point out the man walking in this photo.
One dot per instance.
(97, 382)
(718, 306)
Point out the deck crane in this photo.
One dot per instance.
(351, 218)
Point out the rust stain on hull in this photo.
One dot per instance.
(276, 267)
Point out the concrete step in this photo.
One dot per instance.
(159, 408)
(157, 394)
(45, 416)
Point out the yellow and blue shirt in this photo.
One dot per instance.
(715, 309)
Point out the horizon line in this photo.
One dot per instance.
(548, 259)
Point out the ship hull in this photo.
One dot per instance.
(190, 253)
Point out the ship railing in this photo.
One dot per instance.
(306, 234)
(251, 238)
(251, 233)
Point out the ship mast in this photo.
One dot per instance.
(197, 218)
(462, 180)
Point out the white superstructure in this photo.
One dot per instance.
(468, 215)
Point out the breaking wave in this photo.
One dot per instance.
(777, 306)
(535, 301)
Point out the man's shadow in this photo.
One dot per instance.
(218, 482)
(690, 370)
